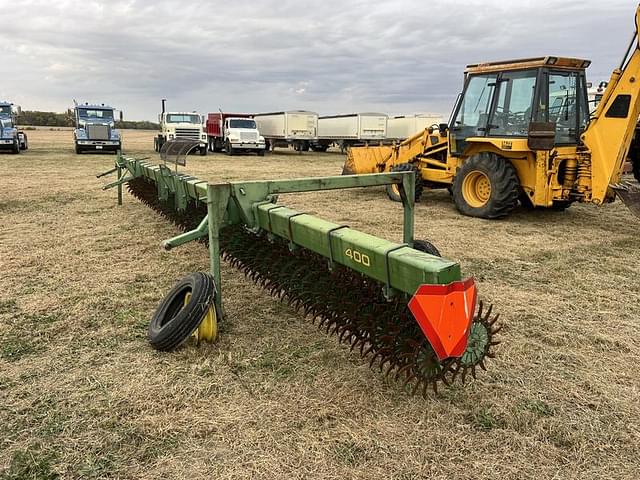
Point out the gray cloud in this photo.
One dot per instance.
(404, 56)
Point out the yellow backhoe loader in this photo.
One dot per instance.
(521, 132)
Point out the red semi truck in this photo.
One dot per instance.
(234, 132)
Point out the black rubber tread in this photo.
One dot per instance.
(561, 205)
(525, 201)
(505, 186)
(173, 322)
(228, 149)
(16, 147)
(260, 153)
(419, 187)
(427, 247)
(635, 163)
(203, 151)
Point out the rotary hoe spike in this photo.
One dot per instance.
(346, 282)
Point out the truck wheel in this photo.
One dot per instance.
(486, 186)
(261, 153)
(16, 147)
(78, 149)
(25, 144)
(203, 152)
(393, 191)
(227, 148)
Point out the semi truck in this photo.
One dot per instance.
(95, 128)
(403, 127)
(233, 132)
(11, 138)
(180, 125)
(298, 128)
(350, 129)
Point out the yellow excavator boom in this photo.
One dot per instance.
(611, 129)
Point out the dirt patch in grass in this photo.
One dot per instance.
(83, 395)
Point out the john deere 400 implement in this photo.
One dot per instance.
(402, 305)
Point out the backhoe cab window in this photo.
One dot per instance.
(471, 120)
(565, 94)
(512, 113)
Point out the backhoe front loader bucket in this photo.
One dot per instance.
(629, 193)
(367, 160)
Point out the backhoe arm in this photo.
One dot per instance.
(610, 132)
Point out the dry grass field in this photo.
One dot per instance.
(82, 394)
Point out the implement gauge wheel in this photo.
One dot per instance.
(393, 191)
(181, 311)
(426, 247)
(486, 186)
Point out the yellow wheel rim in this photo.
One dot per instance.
(208, 329)
(395, 189)
(476, 189)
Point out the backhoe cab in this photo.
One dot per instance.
(502, 100)
(521, 132)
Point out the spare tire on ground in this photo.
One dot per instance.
(174, 322)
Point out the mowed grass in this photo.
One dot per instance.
(82, 395)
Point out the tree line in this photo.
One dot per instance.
(66, 119)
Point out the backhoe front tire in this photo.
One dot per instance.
(486, 186)
(393, 191)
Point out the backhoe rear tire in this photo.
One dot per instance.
(486, 186)
(393, 192)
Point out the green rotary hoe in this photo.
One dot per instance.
(401, 305)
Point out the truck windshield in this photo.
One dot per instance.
(95, 114)
(242, 123)
(5, 110)
(182, 118)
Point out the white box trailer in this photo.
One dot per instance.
(402, 127)
(296, 127)
(350, 129)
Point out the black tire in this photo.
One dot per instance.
(25, 145)
(503, 181)
(392, 190)
(227, 148)
(78, 149)
(260, 153)
(173, 322)
(561, 205)
(16, 147)
(203, 151)
(525, 201)
(426, 247)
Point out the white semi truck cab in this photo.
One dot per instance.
(241, 134)
(180, 125)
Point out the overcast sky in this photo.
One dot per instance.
(330, 56)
